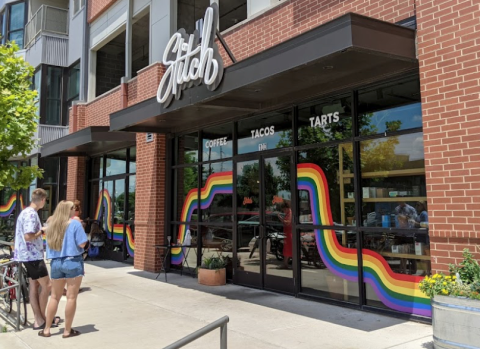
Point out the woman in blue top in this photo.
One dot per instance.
(66, 240)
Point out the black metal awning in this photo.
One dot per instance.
(347, 52)
(89, 141)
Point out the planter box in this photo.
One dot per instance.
(211, 277)
(456, 322)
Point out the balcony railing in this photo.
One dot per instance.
(47, 19)
(49, 133)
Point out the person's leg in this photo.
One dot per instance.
(39, 319)
(46, 287)
(57, 289)
(73, 285)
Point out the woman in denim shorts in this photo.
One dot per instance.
(66, 240)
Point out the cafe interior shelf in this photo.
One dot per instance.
(394, 199)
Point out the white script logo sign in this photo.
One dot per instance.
(189, 63)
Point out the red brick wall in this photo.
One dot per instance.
(149, 202)
(449, 54)
(296, 17)
(145, 85)
(97, 7)
(76, 179)
(97, 112)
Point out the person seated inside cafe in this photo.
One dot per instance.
(406, 215)
(421, 221)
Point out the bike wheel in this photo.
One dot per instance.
(5, 300)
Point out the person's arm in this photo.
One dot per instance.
(81, 238)
(29, 225)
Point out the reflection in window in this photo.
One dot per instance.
(217, 142)
(331, 160)
(232, 12)
(187, 149)
(316, 278)
(133, 160)
(325, 121)
(186, 206)
(264, 132)
(37, 83)
(16, 24)
(73, 88)
(390, 108)
(220, 206)
(54, 96)
(393, 180)
(116, 162)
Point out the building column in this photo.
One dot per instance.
(150, 201)
(449, 73)
(92, 71)
(128, 41)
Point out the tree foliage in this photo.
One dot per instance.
(18, 119)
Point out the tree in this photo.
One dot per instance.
(18, 118)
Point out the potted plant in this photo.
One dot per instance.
(455, 304)
(212, 271)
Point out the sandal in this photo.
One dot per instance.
(73, 333)
(56, 321)
(41, 327)
(41, 334)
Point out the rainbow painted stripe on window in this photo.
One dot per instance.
(9, 208)
(104, 205)
(397, 291)
(217, 183)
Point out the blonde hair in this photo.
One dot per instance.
(58, 225)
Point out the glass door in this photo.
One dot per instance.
(264, 223)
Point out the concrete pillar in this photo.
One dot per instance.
(92, 71)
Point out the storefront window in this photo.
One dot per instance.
(217, 142)
(186, 194)
(317, 263)
(393, 181)
(265, 132)
(325, 121)
(37, 83)
(336, 162)
(116, 162)
(187, 149)
(133, 160)
(216, 198)
(393, 107)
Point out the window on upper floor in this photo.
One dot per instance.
(12, 23)
(190, 13)
(77, 6)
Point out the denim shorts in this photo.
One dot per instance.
(66, 267)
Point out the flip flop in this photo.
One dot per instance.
(41, 334)
(41, 327)
(56, 321)
(73, 333)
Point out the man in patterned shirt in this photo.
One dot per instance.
(29, 251)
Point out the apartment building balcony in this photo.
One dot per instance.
(46, 37)
(46, 134)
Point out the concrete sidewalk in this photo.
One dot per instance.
(126, 308)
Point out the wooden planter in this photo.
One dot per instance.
(212, 277)
(456, 322)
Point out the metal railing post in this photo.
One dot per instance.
(222, 323)
(223, 337)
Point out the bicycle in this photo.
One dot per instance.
(7, 274)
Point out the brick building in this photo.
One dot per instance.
(341, 126)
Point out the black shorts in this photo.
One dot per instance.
(36, 269)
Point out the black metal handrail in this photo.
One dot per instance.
(222, 323)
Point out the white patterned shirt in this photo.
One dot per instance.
(28, 251)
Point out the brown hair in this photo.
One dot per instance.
(38, 195)
(58, 225)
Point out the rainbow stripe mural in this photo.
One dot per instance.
(217, 183)
(104, 205)
(9, 208)
(397, 291)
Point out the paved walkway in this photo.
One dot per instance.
(126, 308)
